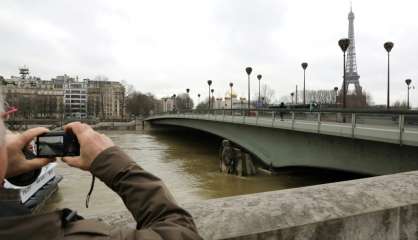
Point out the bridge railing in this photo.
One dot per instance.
(397, 120)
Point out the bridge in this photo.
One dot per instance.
(368, 142)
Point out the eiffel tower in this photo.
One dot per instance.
(351, 75)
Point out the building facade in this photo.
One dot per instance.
(106, 99)
(75, 99)
(34, 98)
(167, 104)
(63, 97)
(225, 103)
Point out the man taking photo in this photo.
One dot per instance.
(156, 213)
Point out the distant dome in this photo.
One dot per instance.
(228, 94)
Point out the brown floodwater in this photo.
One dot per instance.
(187, 162)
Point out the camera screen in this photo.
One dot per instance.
(51, 146)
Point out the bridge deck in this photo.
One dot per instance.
(389, 131)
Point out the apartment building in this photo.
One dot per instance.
(106, 99)
(75, 99)
(34, 98)
(64, 97)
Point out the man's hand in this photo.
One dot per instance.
(91, 142)
(16, 160)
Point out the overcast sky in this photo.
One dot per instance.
(167, 46)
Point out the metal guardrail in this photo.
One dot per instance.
(289, 109)
(387, 125)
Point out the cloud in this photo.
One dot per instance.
(166, 46)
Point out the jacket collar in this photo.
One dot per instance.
(28, 226)
(10, 204)
(17, 222)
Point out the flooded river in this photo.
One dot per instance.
(187, 162)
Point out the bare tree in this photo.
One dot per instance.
(285, 99)
(183, 102)
(203, 105)
(140, 104)
(399, 105)
(268, 93)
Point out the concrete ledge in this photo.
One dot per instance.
(384, 207)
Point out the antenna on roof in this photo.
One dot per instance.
(24, 71)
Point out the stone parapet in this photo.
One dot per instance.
(384, 207)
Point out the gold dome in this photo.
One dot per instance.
(228, 94)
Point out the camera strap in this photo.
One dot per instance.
(93, 178)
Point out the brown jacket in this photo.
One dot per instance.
(154, 209)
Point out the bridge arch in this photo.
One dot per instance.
(287, 148)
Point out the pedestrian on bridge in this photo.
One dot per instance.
(281, 112)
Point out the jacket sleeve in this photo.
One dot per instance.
(157, 214)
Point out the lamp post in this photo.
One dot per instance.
(408, 82)
(165, 104)
(292, 94)
(212, 90)
(296, 95)
(259, 76)
(344, 43)
(304, 66)
(209, 83)
(248, 70)
(241, 100)
(230, 95)
(187, 102)
(336, 93)
(174, 102)
(388, 46)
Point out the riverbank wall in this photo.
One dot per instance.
(384, 207)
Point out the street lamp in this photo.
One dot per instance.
(209, 83)
(259, 76)
(336, 93)
(174, 102)
(241, 100)
(212, 90)
(165, 104)
(388, 46)
(296, 95)
(231, 85)
(248, 70)
(187, 102)
(292, 94)
(344, 43)
(408, 82)
(304, 66)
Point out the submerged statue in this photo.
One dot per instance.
(234, 161)
(227, 158)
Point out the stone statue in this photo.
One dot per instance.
(227, 157)
(234, 161)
